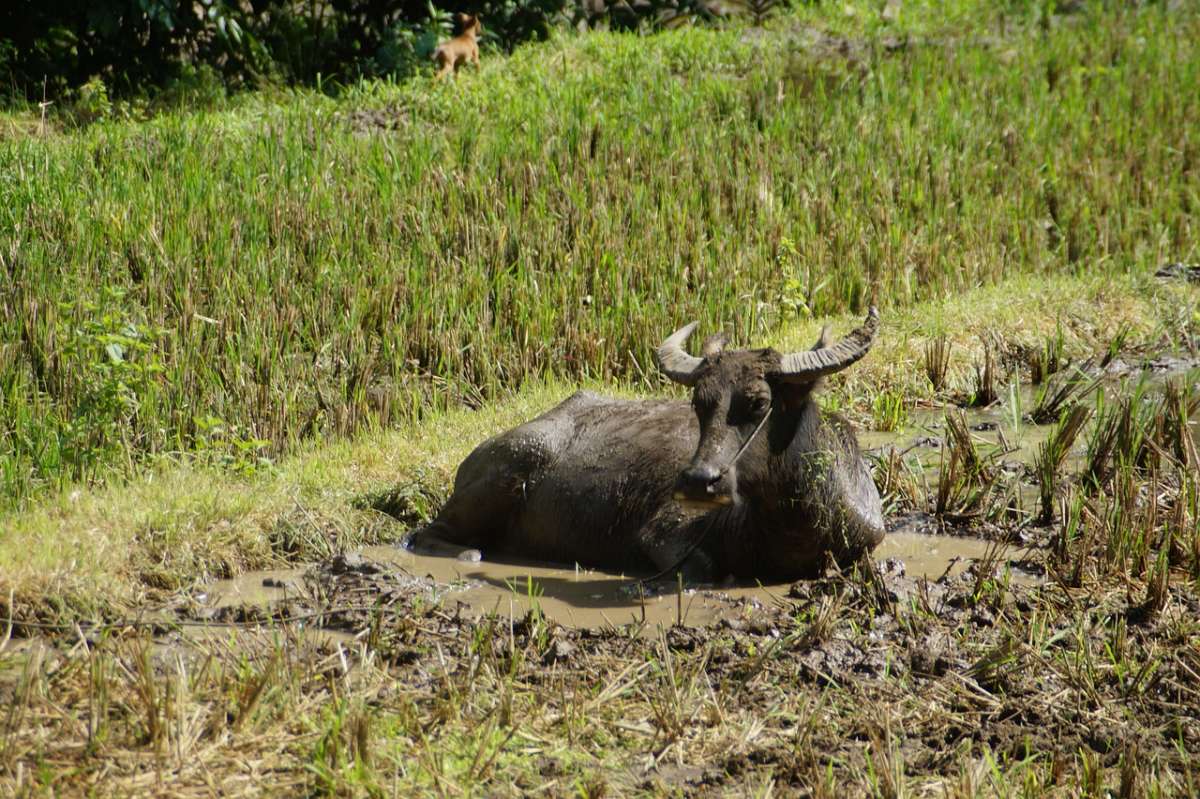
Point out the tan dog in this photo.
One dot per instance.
(462, 48)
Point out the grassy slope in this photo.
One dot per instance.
(303, 265)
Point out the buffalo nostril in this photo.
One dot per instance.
(701, 476)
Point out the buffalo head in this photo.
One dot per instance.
(734, 391)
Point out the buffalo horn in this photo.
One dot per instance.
(674, 361)
(810, 365)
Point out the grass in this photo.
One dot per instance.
(1053, 452)
(937, 362)
(285, 322)
(229, 283)
(865, 682)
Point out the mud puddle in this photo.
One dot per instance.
(580, 598)
(1002, 426)
(17, 653)
(591, 599)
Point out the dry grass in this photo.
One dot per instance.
(879, 685)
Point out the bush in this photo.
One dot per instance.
(125, 47)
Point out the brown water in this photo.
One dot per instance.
(1003, 435)
(590, 598)
(993, 427)
(586, 597)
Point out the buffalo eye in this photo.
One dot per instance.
(749, 410)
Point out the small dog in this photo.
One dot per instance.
(462, 48)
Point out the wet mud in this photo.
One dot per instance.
(1009, 440)
(919, 545)
(580, 598)
(926, 633)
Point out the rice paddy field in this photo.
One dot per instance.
(261, 336)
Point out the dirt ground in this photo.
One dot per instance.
(972, 683)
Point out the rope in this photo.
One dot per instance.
(712, 520)
(742, 451)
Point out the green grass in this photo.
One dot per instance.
(229, 283)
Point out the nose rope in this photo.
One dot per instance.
(712, 522)
(742, 451)
(700, 539)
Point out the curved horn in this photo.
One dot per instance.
(802, 366)
(674, 361)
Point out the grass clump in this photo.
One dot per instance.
(986, 389)
(966, 476)
(937, 362)
(1053, 452)
(1059, 394)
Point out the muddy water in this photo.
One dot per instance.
(589, 598)
(17, 653)
(586, 597)
(995, 425)
(1006, 422)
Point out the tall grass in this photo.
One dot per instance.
(308, 266)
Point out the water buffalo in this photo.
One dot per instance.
(749, 479)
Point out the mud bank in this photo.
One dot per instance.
(831, 680)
